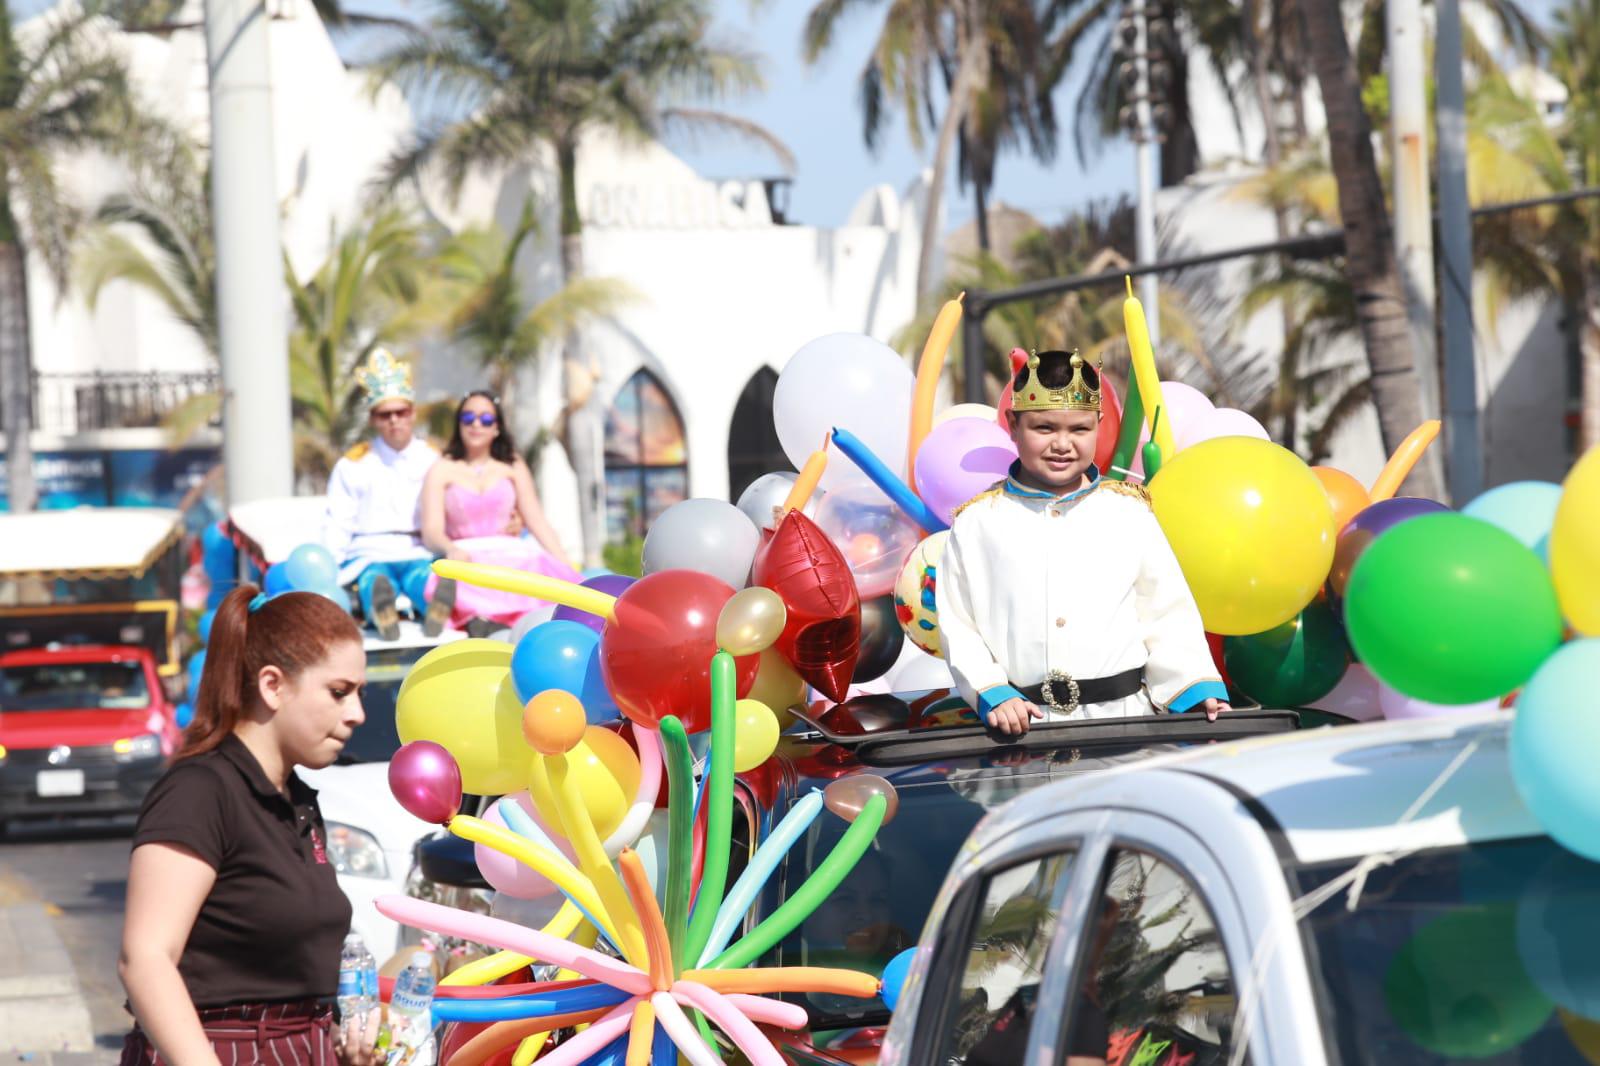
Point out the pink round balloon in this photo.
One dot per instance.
(1229, 422)
(425, 779)
(507, 874)
(1185, 409)
(1355, 696)
(959, 459)
(1397, 706)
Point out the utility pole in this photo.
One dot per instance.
(1462, 431)
(1147, 160)
(1413, 213)
(252, 306)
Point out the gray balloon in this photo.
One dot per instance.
(765, 497)
(711, 536)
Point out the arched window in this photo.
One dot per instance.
(753, 447)
(647, 467)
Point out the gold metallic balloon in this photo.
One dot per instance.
(751, 621)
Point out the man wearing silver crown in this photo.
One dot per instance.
(373, 493)
(1058, 594)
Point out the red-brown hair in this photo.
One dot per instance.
(292, 631)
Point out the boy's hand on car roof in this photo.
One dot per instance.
(1214, 707)
(1014, 716)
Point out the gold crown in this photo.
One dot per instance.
(1077, 395)
(385, 378)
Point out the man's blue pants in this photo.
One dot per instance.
(408, 576)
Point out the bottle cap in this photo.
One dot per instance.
(422, 959)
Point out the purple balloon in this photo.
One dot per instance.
(425, 779)
(1363, 529)
(611, 585)
(959, 459)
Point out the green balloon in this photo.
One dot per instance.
(1288, 665)
(1451, 609)
(1458, 990)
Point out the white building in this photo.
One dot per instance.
(729, 288)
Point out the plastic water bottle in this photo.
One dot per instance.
(411, 1014)
(358, 979)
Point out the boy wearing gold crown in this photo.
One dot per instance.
(1058, 594)
(373, 495)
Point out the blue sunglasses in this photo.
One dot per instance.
(485, 419)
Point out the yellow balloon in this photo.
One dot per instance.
(460, 695)
(607, 773)
(778, 686)
(1575, 545)
(755, 735)
(751, 621)
(1252, 528)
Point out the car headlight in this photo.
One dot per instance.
(131, 749)
(355, 852)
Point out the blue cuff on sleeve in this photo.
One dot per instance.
(1198, 692)
(990, 698)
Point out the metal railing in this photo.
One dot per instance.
(114, 399)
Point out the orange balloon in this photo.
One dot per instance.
(1348, 496)
(553, 722)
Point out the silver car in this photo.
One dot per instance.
(1370, 894)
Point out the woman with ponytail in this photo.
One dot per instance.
(230, 948)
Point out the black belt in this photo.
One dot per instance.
(1063, 693)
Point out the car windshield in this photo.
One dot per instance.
(102, 686)
(377, 739)
(1483, 953)
(880, 907)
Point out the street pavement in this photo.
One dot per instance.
(61, 899)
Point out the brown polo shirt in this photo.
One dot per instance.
(275, 920)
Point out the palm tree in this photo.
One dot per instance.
(490, 314)
(60, 92)
(540, 75)
(370, 292)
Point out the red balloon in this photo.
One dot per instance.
(1110, 424)
(1214, 642)
(655, 653)
(822, 639)
(1019, 359)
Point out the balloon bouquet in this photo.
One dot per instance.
(675, 652)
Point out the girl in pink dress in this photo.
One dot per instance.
(471, 497)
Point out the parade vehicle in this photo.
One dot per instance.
(1372, 894)
(371, 839)
(89, 617)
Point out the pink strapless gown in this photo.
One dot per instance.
(477, 521)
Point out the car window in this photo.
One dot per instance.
(109, 686)
(1004, 963)
(1153, 986)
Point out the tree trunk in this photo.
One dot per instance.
(16, 374)
(1588, 320)
(980, 201)
(1370, 266)
(581, 422)
(955, 110)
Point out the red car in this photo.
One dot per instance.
(84, 729)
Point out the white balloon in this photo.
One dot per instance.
(848, 381)
(711, 536)
(917, 671)
(533, 617)
(770, 491)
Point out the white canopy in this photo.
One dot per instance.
(271, 529)
(92, 542)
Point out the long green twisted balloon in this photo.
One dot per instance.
(719, 820)
(809, 896)
(680, 835)
(1128, 438)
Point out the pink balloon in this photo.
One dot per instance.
(1186, 409)
(959, 459)
(425, 779)
(1229, 422)
(507, 874)
(1355, 696)
(1398, 706)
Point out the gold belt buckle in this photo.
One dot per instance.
(1049, 695)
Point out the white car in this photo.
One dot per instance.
(371, 838)
(1365, 894)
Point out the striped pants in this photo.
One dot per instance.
(254, 1034)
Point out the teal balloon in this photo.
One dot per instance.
(1450, 609)
(1554, 738)
(1456, 989)
(311, 568)
(1525, 509)
(1558, 926)
(1296, 663)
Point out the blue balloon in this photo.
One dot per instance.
(197, 664)
(311, 567)
(218, 557)
(894, 976)
(563, 655)
(1525, 509)
(538, 1005)
(183, 714)
(332, 591)
(277, 580)
(1553, 740)
(613, 1054)
(203, 626)
(889, 482)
